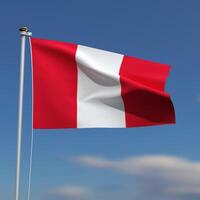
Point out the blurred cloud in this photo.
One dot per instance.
(158, 177)
(70, 192)
(198, 98)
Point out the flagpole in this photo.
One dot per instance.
(24, 32)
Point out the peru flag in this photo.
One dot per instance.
(75, 86)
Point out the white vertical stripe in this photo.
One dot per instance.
(99, 101)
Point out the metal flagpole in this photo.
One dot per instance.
(24, 32)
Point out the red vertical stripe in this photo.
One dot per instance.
(142, 89)
(54, 84)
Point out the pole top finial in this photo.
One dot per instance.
(24, 28)
(24, 31)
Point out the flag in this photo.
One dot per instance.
(76, 86)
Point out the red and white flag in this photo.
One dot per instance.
(75, 86)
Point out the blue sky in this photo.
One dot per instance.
(139, 163)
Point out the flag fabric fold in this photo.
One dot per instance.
(75, 86)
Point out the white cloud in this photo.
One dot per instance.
(93, 161)
(163, 175)
(71, 192)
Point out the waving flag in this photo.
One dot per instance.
(75, 86)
